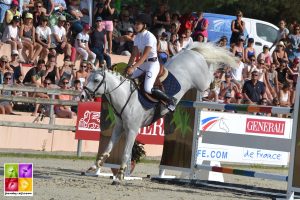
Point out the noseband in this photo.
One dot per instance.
(91, 93)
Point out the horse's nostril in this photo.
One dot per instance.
(82, 97)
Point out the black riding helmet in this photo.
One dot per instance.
(144, 19)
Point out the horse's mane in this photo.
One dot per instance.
(116, 74)
(215, 55)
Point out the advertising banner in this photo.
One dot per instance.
(248, 126)
(89, 119)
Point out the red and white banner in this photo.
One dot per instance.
(88, 125)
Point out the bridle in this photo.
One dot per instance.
(92, 94)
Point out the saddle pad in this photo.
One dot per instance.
(171, 86)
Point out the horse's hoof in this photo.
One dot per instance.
(116, 182)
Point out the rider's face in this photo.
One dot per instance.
(138, 26)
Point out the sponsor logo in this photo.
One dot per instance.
(260, 126)
(18, 179)
(209, 122)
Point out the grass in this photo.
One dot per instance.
(62, 157)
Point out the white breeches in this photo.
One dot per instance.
(85, 55)
(151, 69)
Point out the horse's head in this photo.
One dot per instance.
(95, 85)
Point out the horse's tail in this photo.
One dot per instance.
(215, 55)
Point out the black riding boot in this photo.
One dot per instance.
(171, 101)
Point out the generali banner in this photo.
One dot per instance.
(248, 126)
(88, 125)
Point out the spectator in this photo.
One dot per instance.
(28, 6)
(12, 12)
(98, 38)
(7, 105)
(279, 54)
(82, 44)
(126, 43)
(201, 26)
(175, 22)
(249, 50)
(223, 42)
(74, 9)
(46, 84)
(81, 74)
(237, 28)
(4, 6)
(36, 75)
(265, 55)
(162, 48)
(18, 73)
(186, 22)
(59, 37)
(116, 36)
(125, 23)
(282, 34)
(161, 18)
(11, 35)
(84, 5)
(272, 80)
(39, 11)
(237, 73)
(27, 35)
(174, 30)
(238, 48)
(199, 37)
(181, 41)
(52, 72)
(49, 6)
(60, 110)
(253, 90)
(282, 74)
(214, 88)
(173, 45)
(77, 87)
(67, 71)
(106, 11)
(294, 39)
(228, 87)
(60, 5)
(285, 95)
(70, 35)
(4, 67)
(43, 37)
(293, 73)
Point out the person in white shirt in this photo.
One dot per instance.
(145, 47)
(11, 35)
(82, 44)
(43, 37)
(188, 41)
(59, 37)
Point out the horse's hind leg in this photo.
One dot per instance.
(116, 134)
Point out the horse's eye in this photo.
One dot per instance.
(96, 80)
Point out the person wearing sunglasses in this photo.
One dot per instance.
(82, 73)
(253, 90)
(61, 110)
(7, 105)
(4, 67)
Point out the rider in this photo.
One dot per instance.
(145, 47)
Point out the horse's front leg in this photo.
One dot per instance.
(130, 138)
(116, 134)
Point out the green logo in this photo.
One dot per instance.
(11, 170)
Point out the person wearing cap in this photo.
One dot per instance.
(237, 28)
(43, 37)
(126, 42)
(249, 50)
(98, 40)
(145, 47)
(13, 11)
(59, 37)
(280, 55)
(11, 35)
(106, 10)
(82, 44)
(27, 35)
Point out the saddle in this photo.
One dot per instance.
(162, 75)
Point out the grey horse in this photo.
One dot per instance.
(192, 68)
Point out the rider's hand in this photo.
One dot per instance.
(130, 70)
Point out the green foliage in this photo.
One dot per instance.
(111, 116)
(181, 119)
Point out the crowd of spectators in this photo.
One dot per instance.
(41, 30)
